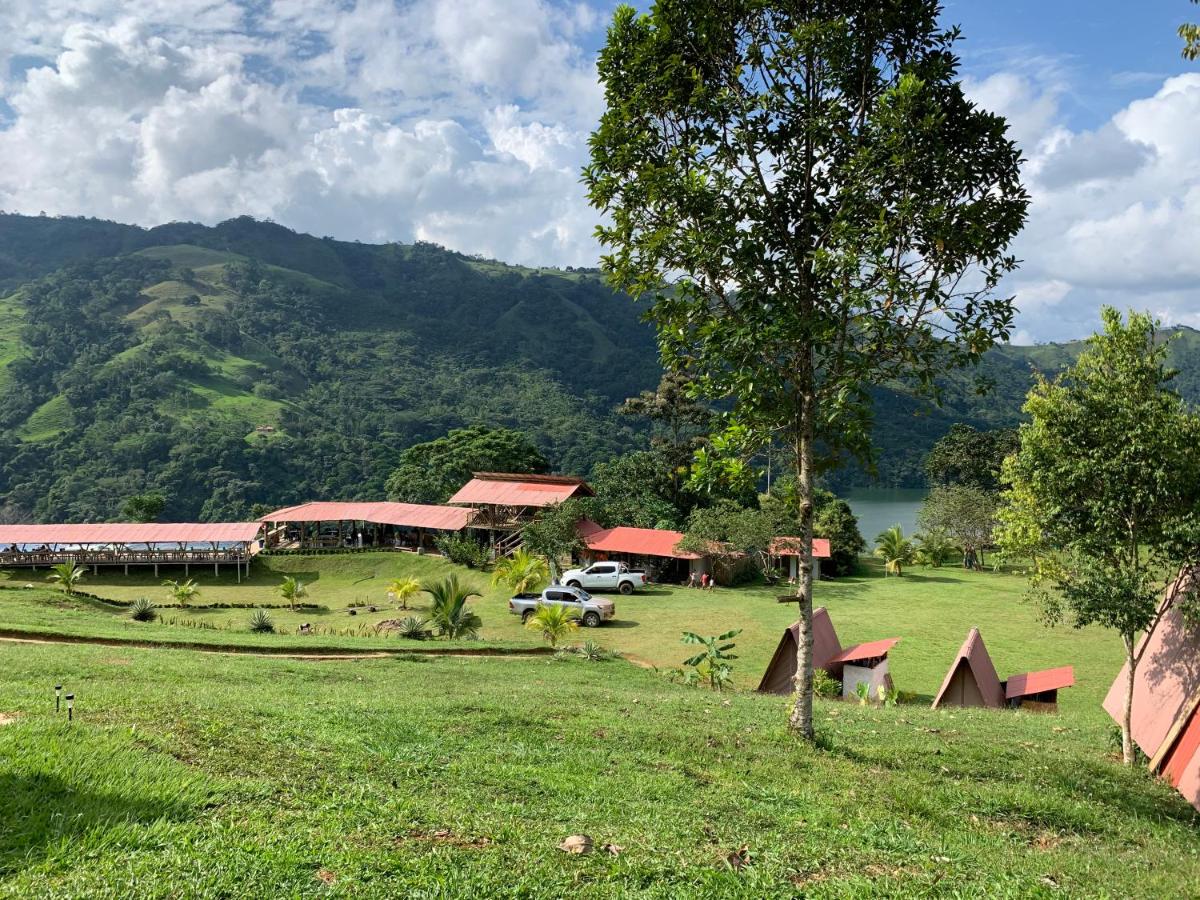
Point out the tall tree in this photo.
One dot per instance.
(970, 457)
(813, 207)
(144, 507)
(432, 472)
(965, 513)
(1103, 494)
(682, 422)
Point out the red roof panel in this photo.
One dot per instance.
(1036, 682)
(520, 490)
(410, 515)
(869, 650)
(130, 533)
(638, 542)
(790, 546)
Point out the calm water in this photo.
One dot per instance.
(878, 509)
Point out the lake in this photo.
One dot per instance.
(878, 509)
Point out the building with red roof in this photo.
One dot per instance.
(409, 526)
(862, 663)
(1165, 718)
(130, 544)
(972, 681)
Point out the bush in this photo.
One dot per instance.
(463, 551)
(142, 610)
(593, 652)
(260, 622)
(825, 685)
(414, 628)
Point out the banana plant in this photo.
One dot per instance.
(712, 663)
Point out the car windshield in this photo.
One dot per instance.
(583, 595)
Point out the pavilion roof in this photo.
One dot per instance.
(505, 489)
(130, 533)
(409, 515)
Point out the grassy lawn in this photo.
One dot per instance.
(200, 776)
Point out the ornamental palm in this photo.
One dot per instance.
(449, 613)
(523, 572)
(554, 622)
(68, 575)
(934, 548)
(895, 550)
(183, 592)
(292, 589)
(402, 589)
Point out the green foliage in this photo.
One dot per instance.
(449, 613)
(833, 520)
(934, 549)
(553, 622)
(292, 589)
(463, 550)
(711, 664)
(1191, 39)
(432, 472)
(522, 573)
(261, 622)
(553, 534)
(895, 550)
(967, 514)
(182, 592)
(862, 691)
(970, 457)
(144, 507)
(1104, 491)
(640, 488)
(142, 610)
(826, 686)
(68, 575)
(414, 628)
(725, 531)
(401, 590)
(594, 652)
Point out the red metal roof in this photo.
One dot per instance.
(638, 541)
(1036, 682)
(587, 527)
(868, 650)
(790, 546)
(503, 489)
(130, 533)
(410, 515)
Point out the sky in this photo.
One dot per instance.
(465, 122)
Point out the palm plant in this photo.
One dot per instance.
(183, 592)
(402, 589)
(142, 610)
(68, 575)
(712, 663)
(414, 628)
(449, 613)
(260, 622)
(934, 548)
(292, 589)
(554, 622)
(522, 573)
(895, 550)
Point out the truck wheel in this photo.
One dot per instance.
(574, 584)
(591, 620)
(626, 587)
(525, 615)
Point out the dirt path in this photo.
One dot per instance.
(318, 655)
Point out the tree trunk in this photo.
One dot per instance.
(802, 711)
(1127, 711)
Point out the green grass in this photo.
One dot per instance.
(48, 421)
(200, 775)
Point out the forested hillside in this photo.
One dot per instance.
(246, 363)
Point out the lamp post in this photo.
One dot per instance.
(70, 708)
(58, 698)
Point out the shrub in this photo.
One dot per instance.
(711, 665)
(414, 628)
(825, 685)
(260, 622)
(449, 613)
(142, 610)
(463, 551)
(593, 652)
(553, 622)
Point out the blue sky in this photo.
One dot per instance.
(465, 122)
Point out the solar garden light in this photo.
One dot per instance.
(70, 707)
(58, 698)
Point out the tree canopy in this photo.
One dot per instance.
(970, 457)
(1103, 494)
(432, 472)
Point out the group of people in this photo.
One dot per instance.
(705, 582)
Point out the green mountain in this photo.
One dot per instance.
(245, 363)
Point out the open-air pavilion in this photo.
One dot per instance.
(654, 550)
(131, 544)
(385, 526)
(505, 502)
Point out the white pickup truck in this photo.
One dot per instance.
(591, 611)
(605, 576)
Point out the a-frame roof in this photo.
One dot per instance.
(976, 665)
(782, 669)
